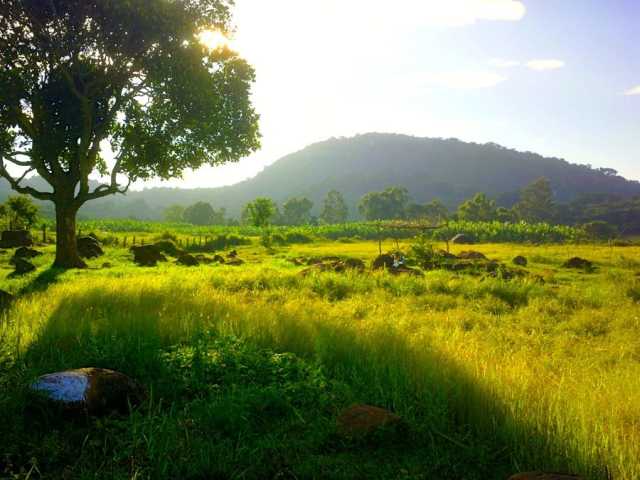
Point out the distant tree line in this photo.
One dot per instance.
(603, 215)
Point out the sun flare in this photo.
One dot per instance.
(213, 39)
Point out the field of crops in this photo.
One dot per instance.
(488, 232)
(249, 366)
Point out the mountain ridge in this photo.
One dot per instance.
(448, 169)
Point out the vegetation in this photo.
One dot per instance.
(249, 366)
(76, 75)
(334, 208)
(297, 211)
(260, 212)
(20, 212)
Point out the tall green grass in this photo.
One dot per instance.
(248, 368)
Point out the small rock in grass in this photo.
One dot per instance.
(363, 420)
(462, 239)
(93, 391)
(383, 261)
(16, 238)
(520, 261)
(188, 260)
(471, 255)
(89, 247)
(26, 252)
(6, 299)
(22, 267)
(106, 265)
(544, 476)
(218, 259)
(232, 254)
(204, 259)
(168, 247)
(147, 255)
(578, 263)
(234, 262)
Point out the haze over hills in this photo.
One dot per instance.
(450, 170)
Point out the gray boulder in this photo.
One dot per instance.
(93, 391)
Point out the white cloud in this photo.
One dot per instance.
(545, 64)
(463, 80)
(633, 91)
(501, 63)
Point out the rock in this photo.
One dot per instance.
(147, 255)
(520, 261)
(363, 420)
(446, 255)
(204, 259)
(6, 299)
(22, 267)
(383, 261)
(24, 253)
(472, 255)
(89, 247)
(218, 259)
(338, 266)
(544, 476)
(578, 263)
(462, 239)
(93, 391)
(234, 262)
(232, 254)
(188, 260)
(16, 238)
(168, 247)
(106, 265)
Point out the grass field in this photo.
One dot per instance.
(249, 366)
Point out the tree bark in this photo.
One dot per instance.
(67, 256)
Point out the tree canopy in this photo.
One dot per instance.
(81, 78)
(297, 211)
(386, 205)
(260, 212)
(334, 208)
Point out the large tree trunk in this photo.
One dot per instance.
(66, 243)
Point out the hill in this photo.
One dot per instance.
(448, 169)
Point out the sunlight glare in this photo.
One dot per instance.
(213, 39)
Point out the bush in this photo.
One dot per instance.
(297, 237)
(599, 230)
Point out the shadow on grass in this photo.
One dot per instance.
(458, 429)
(42, 281)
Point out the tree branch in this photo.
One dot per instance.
(15, 184)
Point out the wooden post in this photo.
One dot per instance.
(44, 233)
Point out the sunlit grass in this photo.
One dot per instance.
(499, 376)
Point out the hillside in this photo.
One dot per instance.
(449, 169)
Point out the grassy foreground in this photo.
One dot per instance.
(249, 366)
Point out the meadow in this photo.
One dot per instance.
(248, 366)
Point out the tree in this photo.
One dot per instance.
(434, 211)
(386, 205)
(200, 213)
(334, 208)
(536, 202)
(23, 211)
(77, 75)
(174, 213)
(297, 211)
(478, 209)
(20, 212)
(260, 212)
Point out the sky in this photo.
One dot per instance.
(556, 77)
